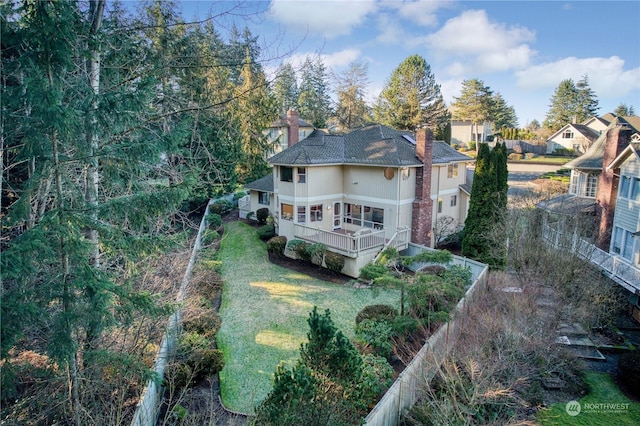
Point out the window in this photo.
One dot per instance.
(439, 205)
(452, 170)
(302, 214)
(635, 189)
(286, 174)
(573, 186)
(353, 214)
(627, 249)
(592, 185)
(302, 175)
(454, 200)
(625, 184)
(567, 134)
(286, 211)
(263, 198)
(366, 216)
(616, 243)
(315, 213)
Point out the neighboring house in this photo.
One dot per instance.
(360, 192)
(574, 137)
(625, 239)
(464, 131)
(288, 130)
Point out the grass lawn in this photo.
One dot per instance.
(546, 159)
(594, 412)
(264, 314)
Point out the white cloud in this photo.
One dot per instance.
(420, 12)
(482, 44)
(450, 89)
(607, 76)
(329, 18)
(341, 58)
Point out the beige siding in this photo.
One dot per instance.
(444, 189)
(627, 213)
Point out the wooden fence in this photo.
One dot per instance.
(405, 391)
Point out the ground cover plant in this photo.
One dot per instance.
(264, 314)
(602, 390)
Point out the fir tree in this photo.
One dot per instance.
(475, 104)
(411, 98)
(285, 88)
(352, 111)
(313, 99)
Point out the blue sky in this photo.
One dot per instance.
(521, 49)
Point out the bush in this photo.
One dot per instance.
(299, 247)
(221, 207)
(334, 261)
(262, 214)
(209, 236)
(276, 245)
(376, 334)
(316, 253)
(250, 215)
(471, 145)
(370, 272)
(515, 156)
(266, 232)
(431, 294)
(377, 313)
(377, 377)
(214, 220)
(206, 325)
(238, 195)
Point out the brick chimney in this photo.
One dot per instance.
(618, 138)
(422, 208)
(293, 120)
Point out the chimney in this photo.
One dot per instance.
(618, 139)
(293, 120)
(422, 208)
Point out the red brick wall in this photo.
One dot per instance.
(617, 140)
(423, 205)
(294, 127)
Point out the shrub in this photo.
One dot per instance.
(299, 247)
(214, 220)
(377, 313)
(206, 325)
(238, 195)
(376, 334)
(250, 215)
(262, 214)
(316, 253)
(515, 156)
(334, 261)
(221, 207)
(529, 155)
(276, 245)
(377, 377)
(471, 145)
(431, 294)
(370, 272)
(209, 236)
(266, 232)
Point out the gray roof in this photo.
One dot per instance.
(568, 204)
(593, 157)
(374, 145)
(264, 184)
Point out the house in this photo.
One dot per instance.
(577, 138)
(574, 138)
(464, 131)
(593, 188)
(363, 191)
(287, 130)
(625, 239)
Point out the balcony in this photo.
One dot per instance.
(352, 243)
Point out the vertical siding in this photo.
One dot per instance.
(627, 214)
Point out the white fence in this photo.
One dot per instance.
(616, 268)
(147, 409)
(405, 391)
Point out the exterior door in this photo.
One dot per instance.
(337, 216)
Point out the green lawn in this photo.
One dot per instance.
(264, 314)
(594, 412)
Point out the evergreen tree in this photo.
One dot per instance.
(571, 103)
(475, 104)
(587, 106)
(285, 88)
(503, 115)
(476, 241)
(352, 111)
(313, 99)
(624, 110)
(411, 98)
(322, 388)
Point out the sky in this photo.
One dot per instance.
(520, 49)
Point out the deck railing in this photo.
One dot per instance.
(350, 244)
(618, 269)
